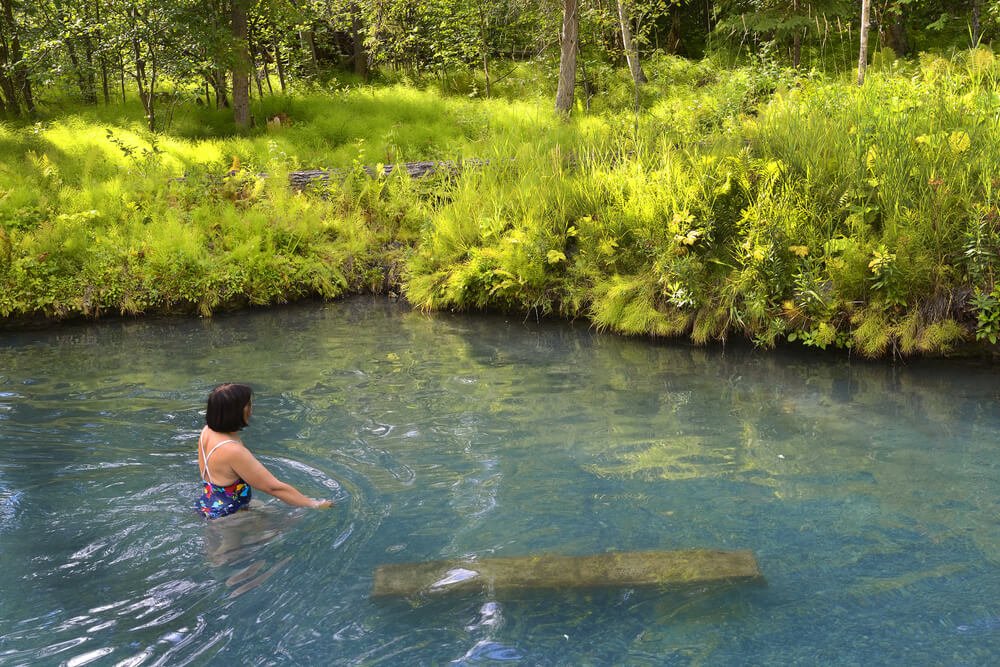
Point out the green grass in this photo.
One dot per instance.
(751, 202)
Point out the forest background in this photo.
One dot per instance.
(821, 172)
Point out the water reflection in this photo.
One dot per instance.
(868, 492)
(238, 537)
(10, 499)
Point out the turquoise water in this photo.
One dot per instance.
(868, 492)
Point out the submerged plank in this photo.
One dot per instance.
(627, 568)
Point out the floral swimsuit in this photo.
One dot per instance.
(218, 501)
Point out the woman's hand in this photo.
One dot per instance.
(322, 504)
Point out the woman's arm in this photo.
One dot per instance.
(253, 472)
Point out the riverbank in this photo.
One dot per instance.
(749, 204)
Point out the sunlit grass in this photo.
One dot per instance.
(754, 202)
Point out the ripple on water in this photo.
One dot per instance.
(568, 445)
(10, 501)
(89, 657)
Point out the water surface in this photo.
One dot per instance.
(869, 493)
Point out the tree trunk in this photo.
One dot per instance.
(484, 51)
(105, 85)
(121, 70)
(86, 94)
(90, 91)
(567, 56)
(976, 24)
(280, 66)
(796, 39)
(486, 74)
(896, 38)
(257, 77)
(77, 70)
(5, 85)
(308, 40)
(10, 97)
(360, 57)
(90, 73)
(631, 52)
(221, 87)
(145, 74)
(675, 39)
(588, 93)
(264, 56)
(145, 93)
(863, 52)
(105, 88)
(252, 52)
(19, 76)
(153, 75)
(10, 101)
(241, 66)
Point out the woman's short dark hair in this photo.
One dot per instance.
(224, 413)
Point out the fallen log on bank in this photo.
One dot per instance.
(667, 569)
(300, 180)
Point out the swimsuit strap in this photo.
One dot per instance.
(208, 475)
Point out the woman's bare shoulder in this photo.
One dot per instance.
(210, 439)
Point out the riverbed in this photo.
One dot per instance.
(868, 492)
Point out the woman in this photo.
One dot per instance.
(228, 468)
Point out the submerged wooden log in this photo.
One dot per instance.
(668, 569)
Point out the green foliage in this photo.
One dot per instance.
(754, 202)
(885, 277)
(495, 242)
(827, 215)
(130, 233)
(177, 51)
(987, 308)
(628, 305)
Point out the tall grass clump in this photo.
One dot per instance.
(500, 238)
(757, 203)
(899, 177)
